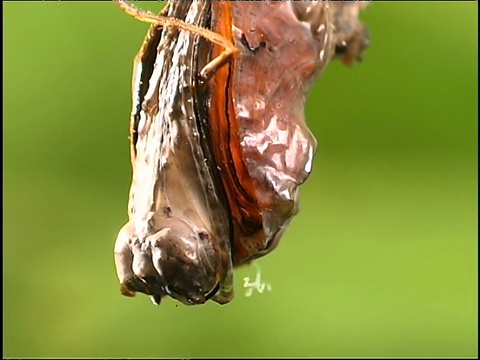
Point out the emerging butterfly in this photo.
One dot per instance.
(219, 143)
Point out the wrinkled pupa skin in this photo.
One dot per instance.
(177, 239)
(217, 164)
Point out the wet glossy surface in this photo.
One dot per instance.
(177, 239)
(266, 149)
(282, 52)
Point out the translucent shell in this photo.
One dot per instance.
(262, 142)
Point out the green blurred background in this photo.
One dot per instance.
(381, 260)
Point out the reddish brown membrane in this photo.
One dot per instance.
(262, 144)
